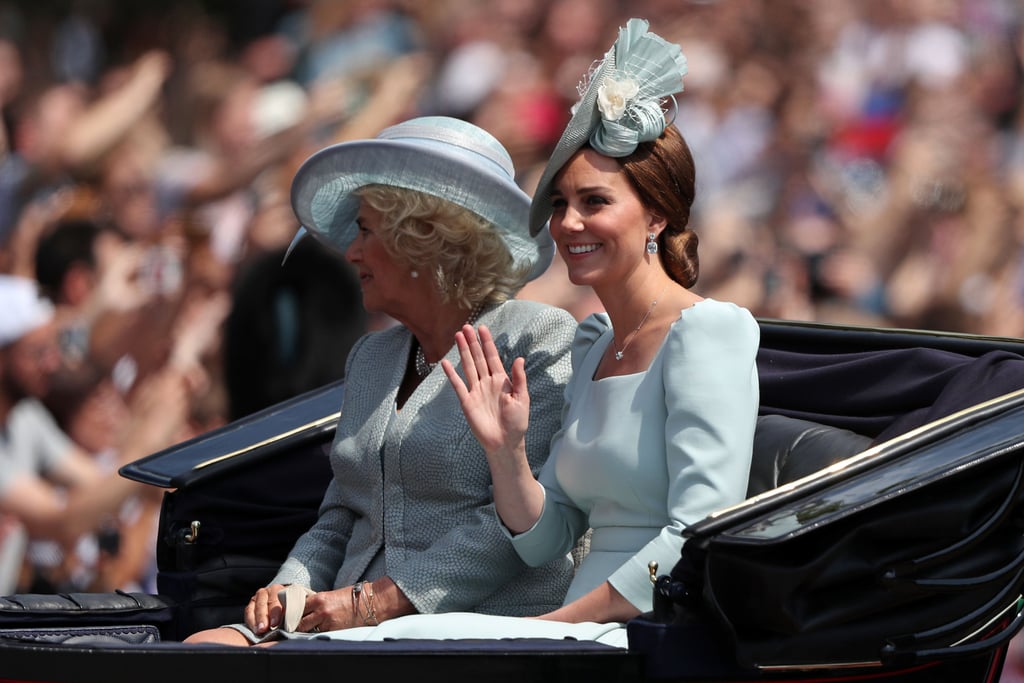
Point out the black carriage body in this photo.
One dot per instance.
(835, 390)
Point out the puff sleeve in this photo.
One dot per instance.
(711, 401)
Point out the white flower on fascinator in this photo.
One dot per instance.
(626, 98)
(613, 97)
(632, 83)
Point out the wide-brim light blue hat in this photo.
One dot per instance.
(436, 155)
(622, 103)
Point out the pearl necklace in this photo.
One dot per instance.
(632, 335)
(425, 367)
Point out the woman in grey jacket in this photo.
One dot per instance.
(431, 218)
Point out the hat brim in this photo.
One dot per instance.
(574, 138)
(323, 200)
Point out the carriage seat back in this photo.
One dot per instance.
(786, 449)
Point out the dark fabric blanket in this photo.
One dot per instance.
(882, 393)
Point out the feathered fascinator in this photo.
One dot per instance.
(623, 100)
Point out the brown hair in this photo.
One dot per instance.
(663, 174)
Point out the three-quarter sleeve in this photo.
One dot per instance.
(561, 522)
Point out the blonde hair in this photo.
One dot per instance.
(465, 253)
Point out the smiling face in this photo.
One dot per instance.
(598, 221)
(386, 283)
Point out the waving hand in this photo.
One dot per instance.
(497, 407)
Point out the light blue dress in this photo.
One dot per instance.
(638, 458)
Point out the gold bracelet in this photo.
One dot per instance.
(371, 614)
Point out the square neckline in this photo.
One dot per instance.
(609, 334)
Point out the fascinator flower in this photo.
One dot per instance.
(623, 102)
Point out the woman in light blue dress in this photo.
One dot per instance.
(657, 429)
(658, 423)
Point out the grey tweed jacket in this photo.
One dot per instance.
(411, 494)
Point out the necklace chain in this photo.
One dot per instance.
(425, 367)
(632, 335)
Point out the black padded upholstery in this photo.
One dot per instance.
(31, 607)
(787, 448)
(93, 636)
(85, 617)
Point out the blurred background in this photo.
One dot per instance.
(857, 163)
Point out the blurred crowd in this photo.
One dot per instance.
(860, 163)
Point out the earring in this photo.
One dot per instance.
(414, 274)
(652, 245)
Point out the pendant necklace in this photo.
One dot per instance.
(632, 335)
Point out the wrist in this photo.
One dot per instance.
(509, 460)
(364, 608)
(388, 599)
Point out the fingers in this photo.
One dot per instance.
(519, 377)
(480, 362)
(264, 610)
(274, 610)
(489, 351)
(453, 378)
(477, 350)
(249, 617)
(310, 623)
(464, 339)
(327, 611)
(480, 359)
